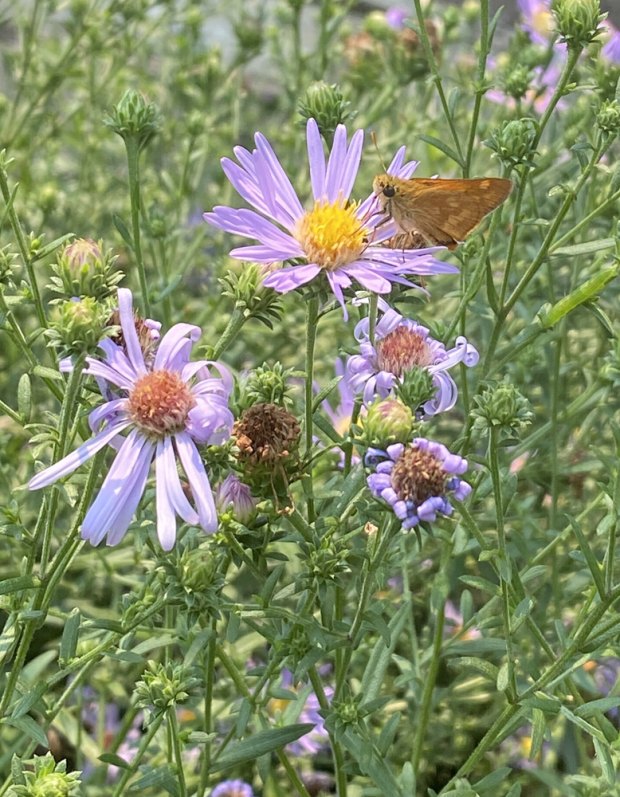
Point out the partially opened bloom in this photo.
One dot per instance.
(168, 405)
(337, 237)
(402, 345)
(418, 480)
(233, 788)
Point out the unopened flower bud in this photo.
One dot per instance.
(577, 21)
(608, 118)
(47, 779)
(134, 118)
(77, 325)
(501, 407)
(84, 269)
(517, 81)
(326, 105)
(514, 141)
(235, 497)
(268, 383)
(164, 685)
(388, 421)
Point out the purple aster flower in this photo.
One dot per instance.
(417, 480)
(337, 237)
(233, 788)
(168, 405)
(454, 623)
(400, 346)
(340, 416)
(313, 741)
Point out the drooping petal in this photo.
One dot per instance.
(198, 481)
(125, 482)
(76, 458)
(173, 348)
(131, 499)
(288, 279)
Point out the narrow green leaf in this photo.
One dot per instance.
(581, 723)
(442, 147)
(370, 762)
(589, 290)
(493, 780)
(115, 760)
(27, 701)
(28, 726)
(51, 247)
(539, 724)
(68, 642)
(24, 397)
(160, 778)
(593, 565)
(482, 666)
(595, 706)
(47, 373)
(585, 248)
(381, 655)
(323, 394)
(605, 760)
(123, 230)
(259, 744)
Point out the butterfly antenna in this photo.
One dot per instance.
(373, 138)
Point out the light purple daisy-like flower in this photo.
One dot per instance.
(337, 237)
(233, 788)
(168, 405)
(340, 416)
(310, 743)
(418, 480)
(400, 346)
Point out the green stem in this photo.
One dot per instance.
(22, 244)
(480, 88)
(235, 322)
(171, 716)
(135, 763)
(339, 763)
(209, 678)
(133, 168)
(312, 314)
(432, 63)
(504, 563)
(429, 688)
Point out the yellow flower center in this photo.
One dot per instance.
(542, 21)
(331, 234)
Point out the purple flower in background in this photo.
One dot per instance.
(233, 788)
(400, 346)
(537, 19)
(418, 480)
(611, 49)
(395, 17)
(340, 416)
(337, 237)
(168, 406)
(313, 741)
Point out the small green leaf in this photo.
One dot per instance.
(443, 147)
(123, 230)
(9, 585)
(68, 643)
(28, 726)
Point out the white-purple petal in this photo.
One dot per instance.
(130, 336)
(198, 481)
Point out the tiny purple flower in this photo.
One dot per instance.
(400, 346)
(168, 405)
(233, 788)
(417, 480)
(313, 741)
(537, 20)
(336, 237)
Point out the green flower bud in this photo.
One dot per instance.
(164, 685)
(608, 118)
(7, 258)
(377, 25)
(250, 297)
(577, 21)
(517, 81)
(514, 141)
(502, 407)
(250, 36)
(417, 387)
(77, 325)
(326, 105)
(43, 777)
(134, 118)
(268, 383)
(83, 269)
(388, 421)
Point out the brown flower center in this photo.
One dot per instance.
(160, 403)
(418, 475)
(402, 350)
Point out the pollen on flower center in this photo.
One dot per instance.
(401, 350)
(160, 403)
(418, 475)
(331, 234)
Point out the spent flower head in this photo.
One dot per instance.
(337, 239)
(402, 350)
(168, 406)
(417, 481)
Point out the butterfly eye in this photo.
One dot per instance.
(389, 191)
